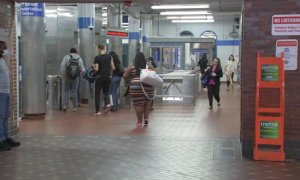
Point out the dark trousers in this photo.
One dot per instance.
(102, 83)
(213, 91)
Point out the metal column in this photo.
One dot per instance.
(134, 34)
(114, 19)
(34, 57)
(86, 26)
(147, 32)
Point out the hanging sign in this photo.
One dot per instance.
(117, 33)
(33, 9)
(290, 49)
(286, 25)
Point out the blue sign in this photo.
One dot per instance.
(33, 9)
(176, 56)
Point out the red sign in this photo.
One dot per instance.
(117, 33)
(286, 24)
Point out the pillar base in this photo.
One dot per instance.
(34, 116)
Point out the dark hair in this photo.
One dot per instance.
(101, 47)
(219, 63)
(1, 53)
(139, 62)
(116, 59)
(73, 50)
(3, 45)
(232, 57)
(151, 60)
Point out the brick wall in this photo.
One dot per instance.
(7, 25)
(257, 19)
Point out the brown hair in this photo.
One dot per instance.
(101, 47)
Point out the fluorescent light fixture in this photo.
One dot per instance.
(126, 29)
(182, 6)
(50, 11)
(125, 23)
(190, 17)
(104, 14)
(194, 21)
(104, 22)
(65, 14)
(51, 15)
(104, 8)
(184, 12)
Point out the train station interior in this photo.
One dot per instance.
(251, 132)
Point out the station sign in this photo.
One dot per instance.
(289, 48)
(116, 33)
(33, 9)
(283, 25)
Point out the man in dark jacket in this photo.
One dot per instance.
(203, 63)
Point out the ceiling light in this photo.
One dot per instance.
(190, 17)
(194, 21)
(104, 14)
(183, 12)
(182, 6)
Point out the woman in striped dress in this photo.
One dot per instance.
(141, 93)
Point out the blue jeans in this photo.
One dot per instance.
(115, 83)
(70, 85)
(4, 114)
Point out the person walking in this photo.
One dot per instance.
(6, 142)
(141, 93)
(103, 65)
(116, 80)
(202, 63)
(214, 74)
(229, 69)
(71, 67)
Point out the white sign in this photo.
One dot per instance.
(290, 49)
(286, 24)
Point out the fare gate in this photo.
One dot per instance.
(269, 115)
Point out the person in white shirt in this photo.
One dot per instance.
(229, 69)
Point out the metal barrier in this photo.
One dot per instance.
(178, 87)
(54, 91)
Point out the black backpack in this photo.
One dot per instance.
(72, 68)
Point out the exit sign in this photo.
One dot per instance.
(117, 33)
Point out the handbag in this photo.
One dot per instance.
(150, 77)
(204, 81)
(89, 75)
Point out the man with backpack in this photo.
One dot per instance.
(202, 63)
(70, 68)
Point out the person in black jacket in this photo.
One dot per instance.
(203, 63)
(214, 74)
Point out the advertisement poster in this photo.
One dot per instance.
(286, 24)
(269, 72)
(33, 9)
(290, 49)
(269, 130)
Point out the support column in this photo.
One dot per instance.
(114, 21)
(33, 49)
(87, 51)
(134, 34)
(147, 32)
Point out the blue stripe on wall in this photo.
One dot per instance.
(85, 22)
(145, 39)
(134, 36)
(228, 42)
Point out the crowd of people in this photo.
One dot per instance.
(107, 72)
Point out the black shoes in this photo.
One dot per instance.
(4, 146)
(12, 143)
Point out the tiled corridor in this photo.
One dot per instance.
(182, 142)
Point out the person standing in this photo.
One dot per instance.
(141, 93)
(214, 74)
(71, 67)
(103, 65)
(6, 142)
(203, 62)
(229, 70)
(116, 80)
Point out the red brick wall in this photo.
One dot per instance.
(257, 19)
(7, 22)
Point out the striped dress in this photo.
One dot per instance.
(137, 95)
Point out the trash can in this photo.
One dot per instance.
(54, 93)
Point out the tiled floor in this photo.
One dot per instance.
(182, 142)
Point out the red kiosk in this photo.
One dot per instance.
(269, 114)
